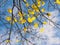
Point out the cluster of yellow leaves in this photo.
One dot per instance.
(31, 12)
(57, 2)
(35, 7)
(20, 14)
(31, 19)
(40, 3)
(23, 21)
(8, 18)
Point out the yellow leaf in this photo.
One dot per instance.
(23, 21)
(57, 2)
(31, 12)
(8, 18)
(35, 7)
(7, 41)
(39, 4)
(30, 20)
(41, 29)
(27, 4)
(20, 14)
(21, 18)
(15, 19)
(48, 14)
(25, 29)
(43, 10)
(44, 22)
(33, 18)
(37, 10)
(25, 0)
(43, 3)
(35, 25)
(10, 10)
